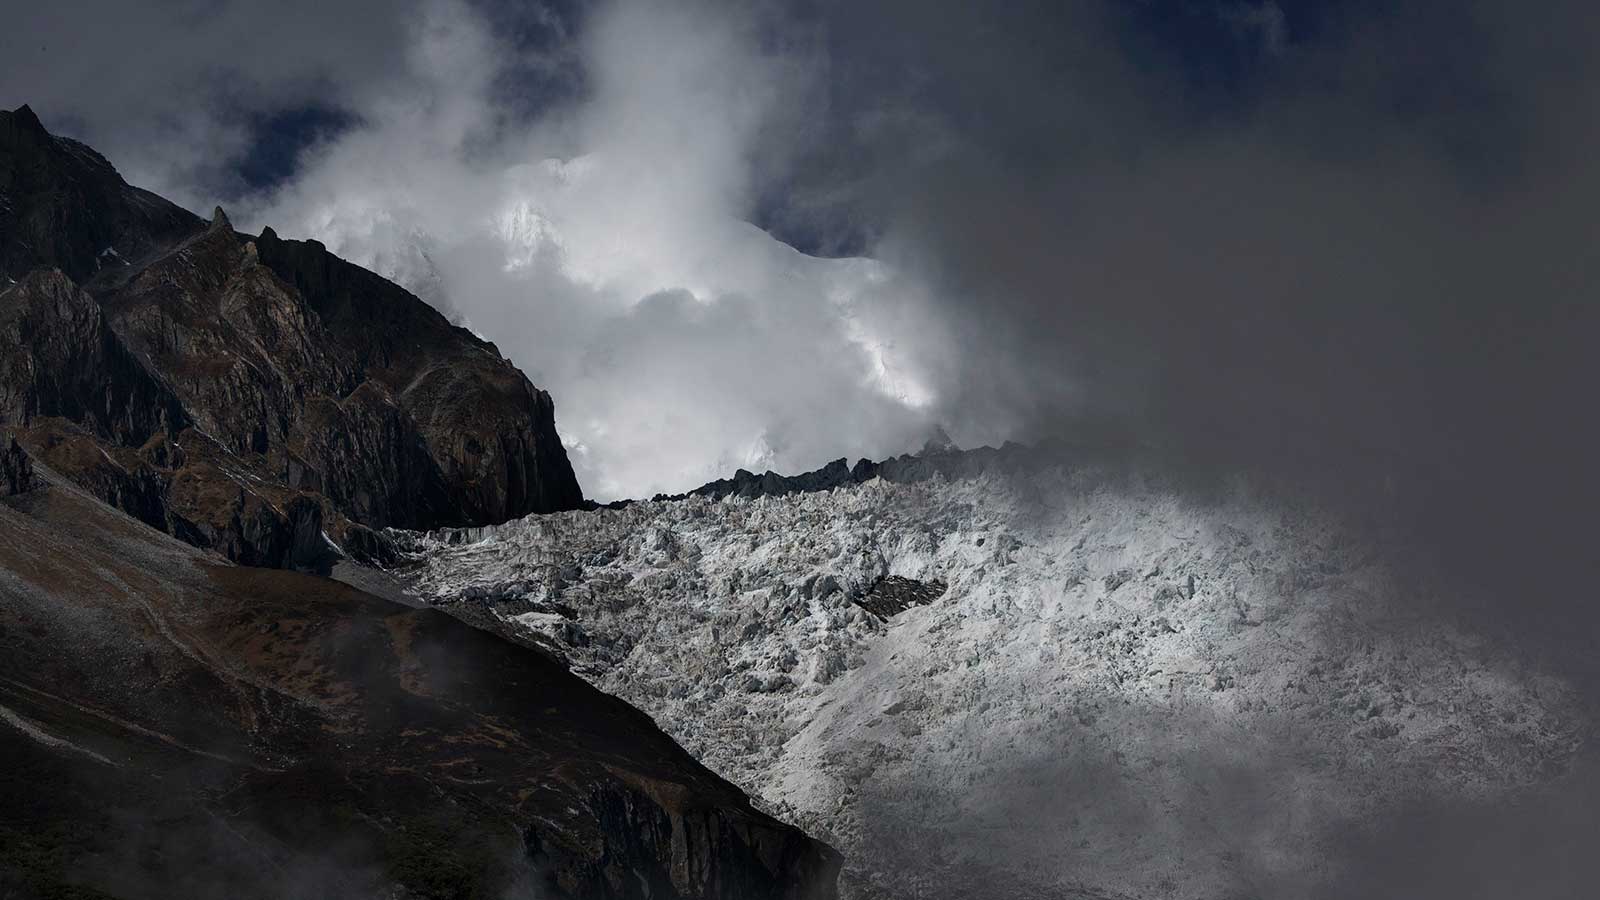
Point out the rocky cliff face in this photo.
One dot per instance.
(490, 432)
(63, 206)
(243, 392)
(176, 726)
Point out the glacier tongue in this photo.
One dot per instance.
(1086, 684)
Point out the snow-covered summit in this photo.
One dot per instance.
(1114, 691)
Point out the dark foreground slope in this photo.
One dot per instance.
(175, 726)
(245, 393)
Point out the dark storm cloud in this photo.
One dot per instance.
(210, 99)
(278, 138)
(175, 91)
(1349, 244)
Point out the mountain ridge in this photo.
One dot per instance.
(238, 390)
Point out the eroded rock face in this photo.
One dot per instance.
(490, 432)
(206, 382)
(174, 726)
(60, 357)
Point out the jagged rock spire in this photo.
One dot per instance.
(26, 117)
(20, 128)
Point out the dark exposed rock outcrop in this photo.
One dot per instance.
(221, 387)
(16, 469)
(60, 357)
(175, 726)
(944, 460)
(892, 595)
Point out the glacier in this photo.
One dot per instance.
(1094, 683)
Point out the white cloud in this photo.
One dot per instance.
(604, 248)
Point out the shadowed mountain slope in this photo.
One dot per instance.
(177, 726)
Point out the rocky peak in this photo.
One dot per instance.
(62, 205)
(21, 124)
(265, 371)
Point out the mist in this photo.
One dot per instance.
(1345, 247)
